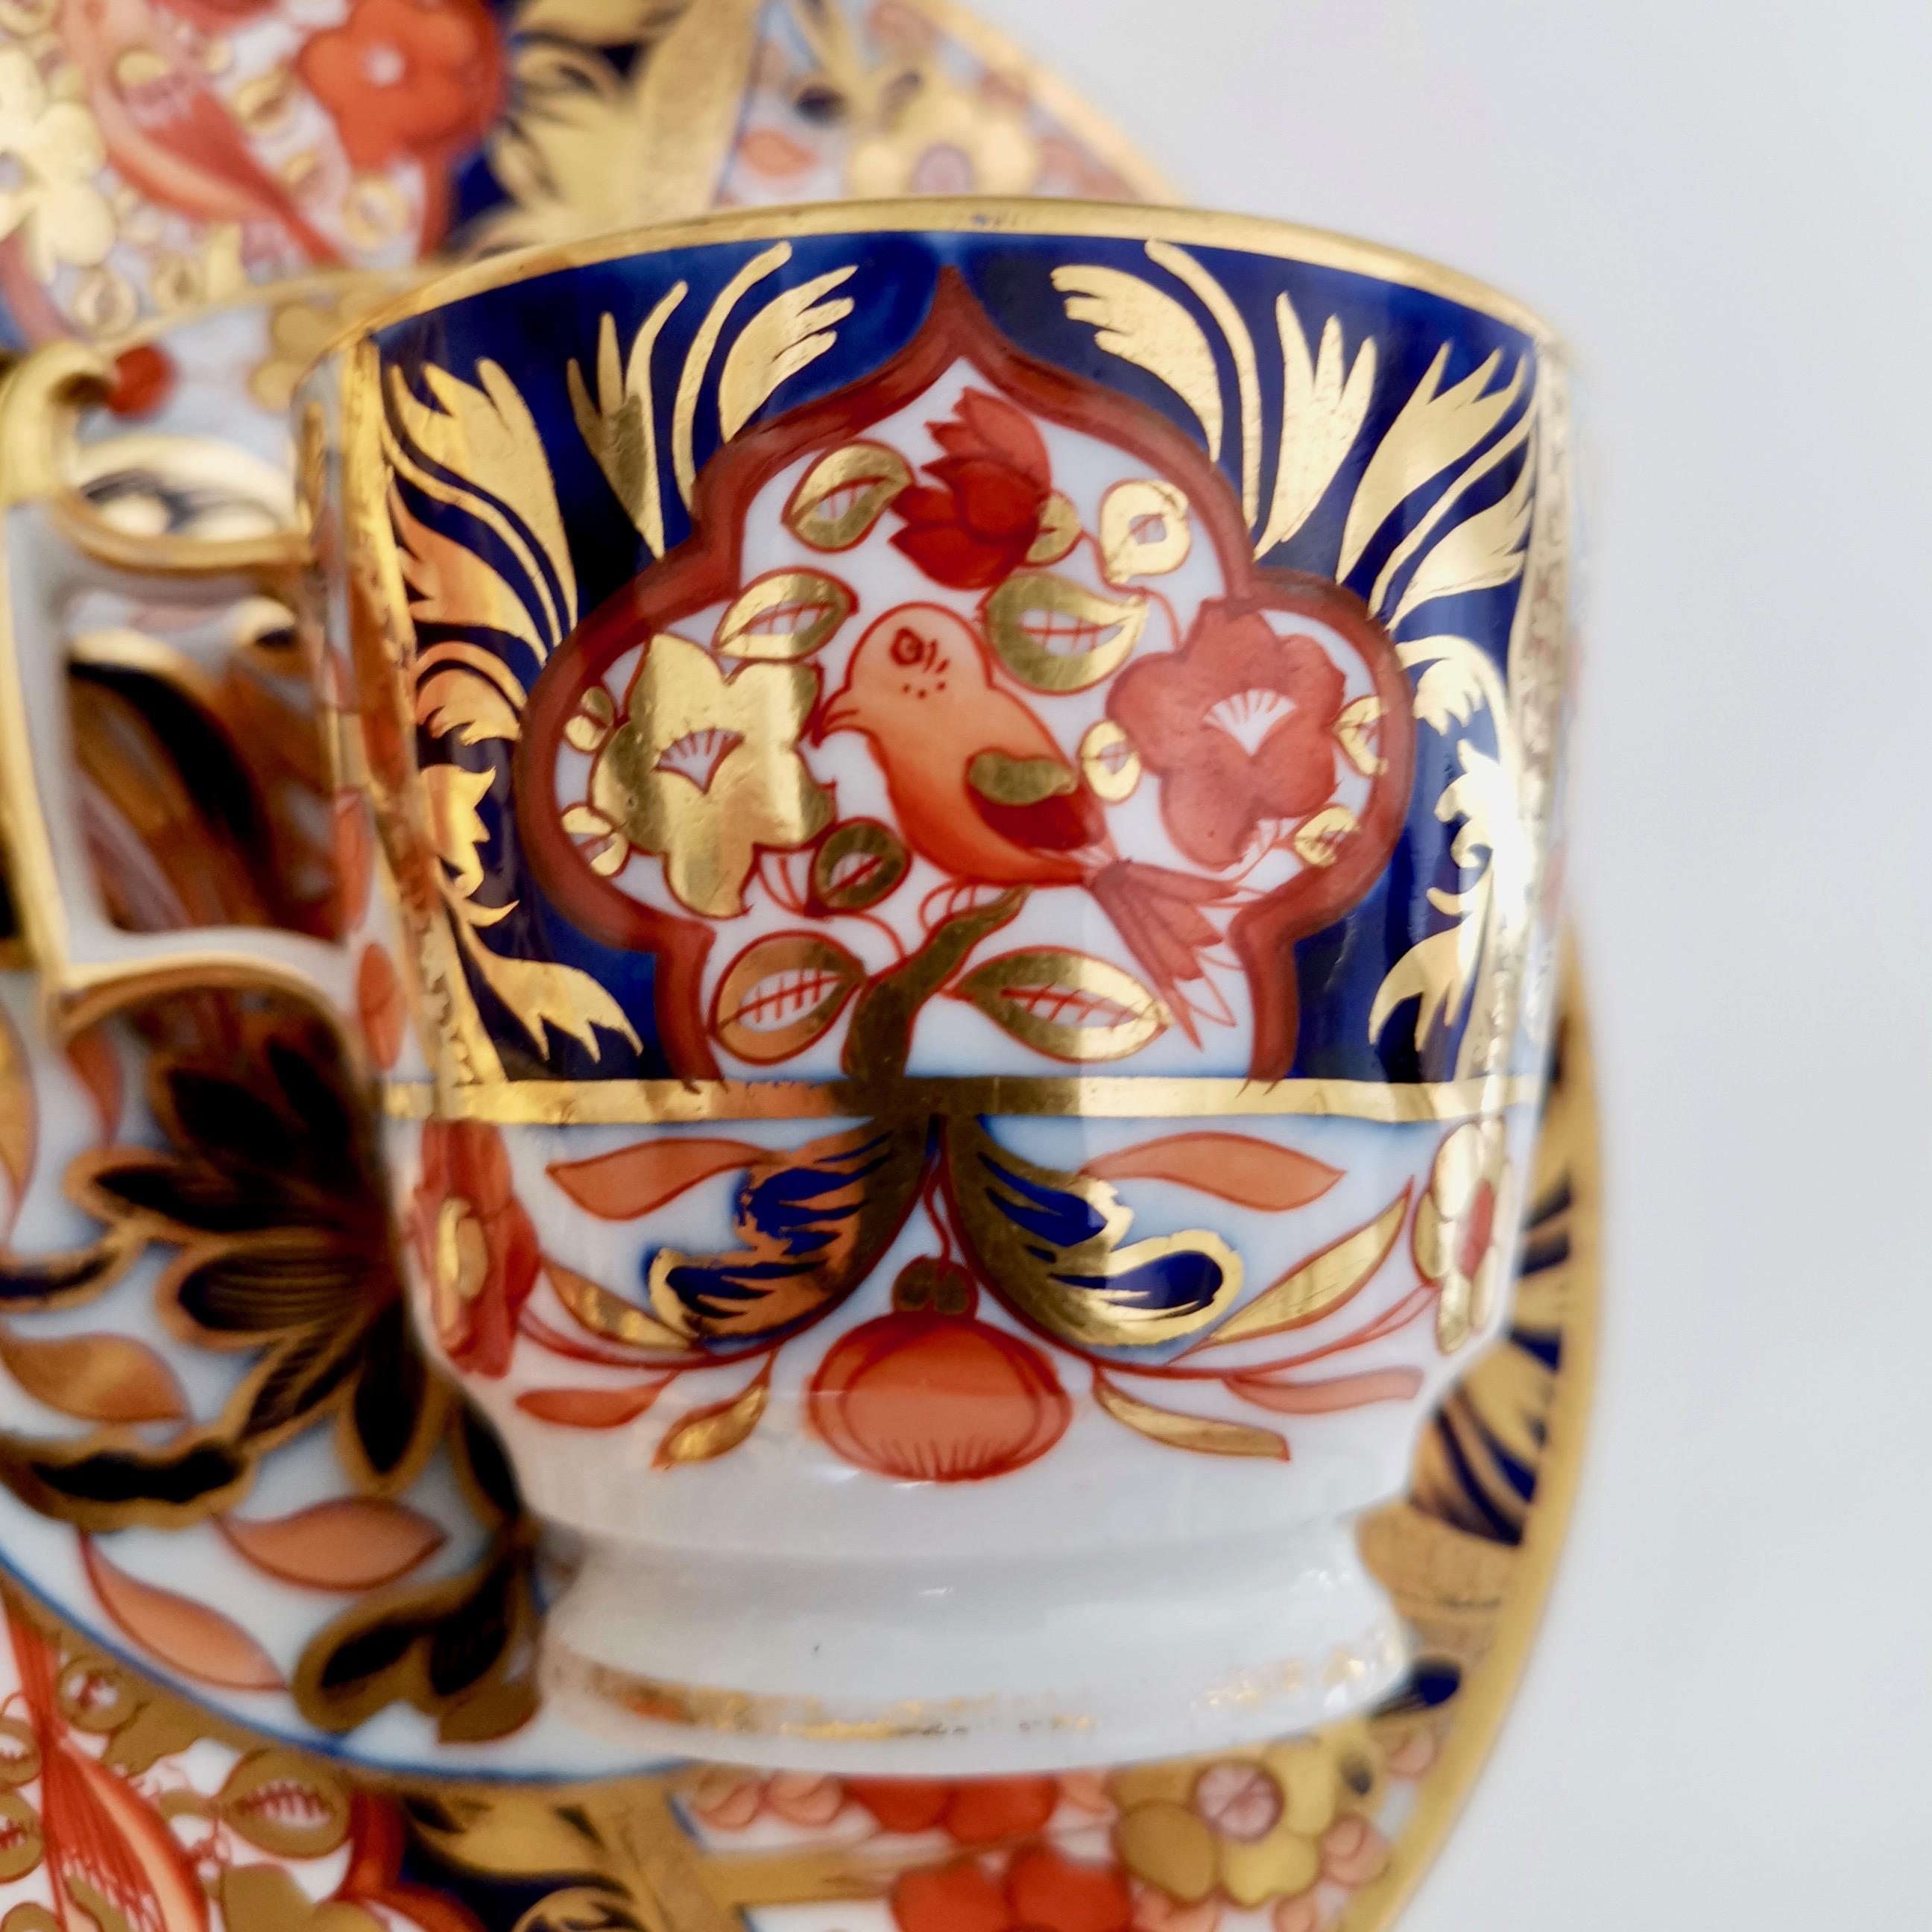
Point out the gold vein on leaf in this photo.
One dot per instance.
(1220, 305)
(697, 361)
(487, 436)
(1145, 326)
(1436, 427)
(620, 428)
(1321, 415)
(791, 331)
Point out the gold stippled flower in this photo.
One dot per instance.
(1462, 1227)
(704, 769)
(54, 205)
(1250, 1826)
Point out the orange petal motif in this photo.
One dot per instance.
(379, 1001)
(352, 1543)
(775, 154)
(1325, 1398)
(1250, 1173)
(1050, 1890)
(621, 1185)
(187, 1636)
(98, 1378)
(589, 1408)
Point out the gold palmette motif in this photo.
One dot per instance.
(700, 766)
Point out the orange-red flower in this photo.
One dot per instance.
(1040, 1891)
(476, 1243)
(420, 78)
(1240, 725)
(928, 1393)
(994, 508)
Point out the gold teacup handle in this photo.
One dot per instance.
(53, 543)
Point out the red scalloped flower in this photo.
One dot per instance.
(1239, 725)
(423, 78)
(1041, 1891)
(991, 508)
(476, 1242)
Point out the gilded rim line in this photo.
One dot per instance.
(777, 1719)
(1117, 1097)
(966, 214)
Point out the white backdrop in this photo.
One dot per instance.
(1727, 207)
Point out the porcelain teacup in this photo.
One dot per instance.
(961, 796)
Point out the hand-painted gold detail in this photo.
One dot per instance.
(1462, 1225)
(620, 428)
(1318, 841)
(1435, 428)
(610, 1315)
(1203, 1434)
(542, 994)
(1216, 300)
(1307, 1293)
(1321, 415)
(589, 144)
(1006, 781)
(1067, 1004)
(783, 992)
(788, 614)
(1146, 326)
(470, 709)
(1065, 1290)
(1056, 635)
(1104, 1096)
(706, 1434)
(1355, 729)
(1059, 530)
(705, 768)
(1109, 763)
(858, 866)
(790, 332)
(486, 430)
(1144, 530)
(843, 494)
(697, 362)
(877, 1168)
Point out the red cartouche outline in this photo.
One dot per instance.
(705, 569)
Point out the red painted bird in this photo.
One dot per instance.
(982, 790)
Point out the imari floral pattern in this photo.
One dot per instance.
(118, 1797)
(865, 685)
(158, 154)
